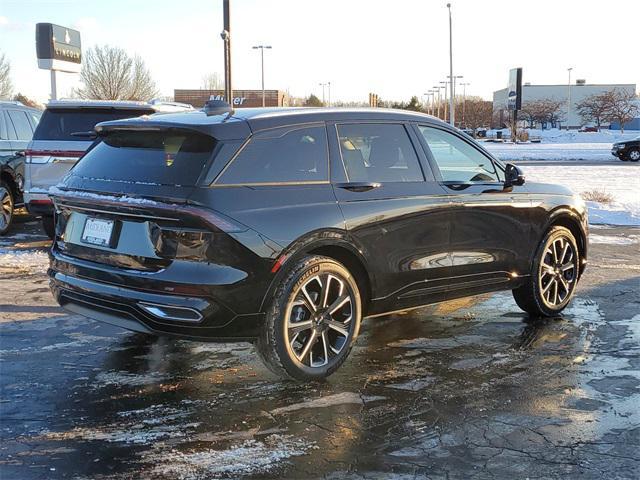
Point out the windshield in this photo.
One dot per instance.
(60, 123)
(167, 157)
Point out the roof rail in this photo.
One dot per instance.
(12, 102)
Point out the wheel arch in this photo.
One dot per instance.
(7, 177)
(573, 222)
(337, 247)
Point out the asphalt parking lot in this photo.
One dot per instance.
(465, 389)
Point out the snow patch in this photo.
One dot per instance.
(329, 401)
(34, 261)
(251, 457)
(612, 239)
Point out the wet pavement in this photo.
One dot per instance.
(465, 389)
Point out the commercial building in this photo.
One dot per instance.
(579, 91)
(241, 98)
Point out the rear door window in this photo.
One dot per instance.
(21, 124)
(167, 157)
(378, 153)
(282, 155)
(60, 123)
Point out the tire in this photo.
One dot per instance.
(553, 277)
(6, 207)
(633, 155)
(49, 226)
(300, 339)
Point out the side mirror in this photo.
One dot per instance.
(513, 176)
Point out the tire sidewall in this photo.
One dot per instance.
(10, 222)
(301, 272)
(629, 154)
(552, 235)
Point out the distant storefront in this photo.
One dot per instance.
(241, 98)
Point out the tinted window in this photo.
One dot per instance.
(21, 124)
(59, 124)
(378, 153)
(165, 158)
(457, 160)
(34, 117)
(292, 154)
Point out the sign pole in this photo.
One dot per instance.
(54, 90)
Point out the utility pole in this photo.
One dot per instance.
(261, 48)
(329, 97)
(569, 96)
(452, 113)
(226, 37)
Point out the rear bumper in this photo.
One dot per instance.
(38, 203)
(145, 310)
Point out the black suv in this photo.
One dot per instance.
(17, 123)
(288, 226)
(628, 150)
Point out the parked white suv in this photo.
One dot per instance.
(62, 137)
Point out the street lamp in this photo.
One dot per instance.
(464, 100)
(569, 96)
(262, 48)
(445, 83)
(326, 84)
(452, 113)
(438, 87)
(452, 80)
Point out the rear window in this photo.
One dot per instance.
(59, 124)
(169, 157)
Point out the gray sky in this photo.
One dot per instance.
(394, 48)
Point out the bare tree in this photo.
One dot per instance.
(622, 107)
(594, 108)
(212, 81)
(109, 73)
(6, 87)
(477, 113)
(543, 110)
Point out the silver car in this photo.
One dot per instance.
(62, 137)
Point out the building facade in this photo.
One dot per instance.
(241, 98)
(578, 91)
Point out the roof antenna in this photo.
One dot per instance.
(217, 107)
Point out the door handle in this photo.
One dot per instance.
(359, 186)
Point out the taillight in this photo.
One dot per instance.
(52, 156)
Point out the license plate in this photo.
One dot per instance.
(98, 232)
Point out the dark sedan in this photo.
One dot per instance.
(629, 150)
(288, 226)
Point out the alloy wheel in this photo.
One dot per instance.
(319, 319)
(6, 208)
(634, 155)
(558, 272)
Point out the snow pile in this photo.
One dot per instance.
(18, 261)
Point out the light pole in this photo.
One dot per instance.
(452, 113)
(569, 96)
(438, 87)
(261, 48)
(452, 80)
(464, 99)
(445, 83)
(326, 84)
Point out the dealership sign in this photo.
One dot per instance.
(58, 48)
(237, 101)
(514, 91)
